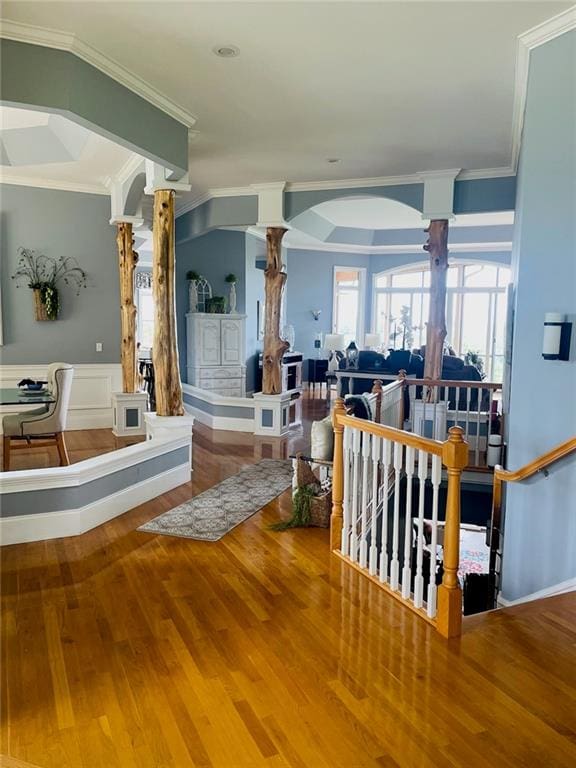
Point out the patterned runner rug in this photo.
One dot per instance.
(213, 513)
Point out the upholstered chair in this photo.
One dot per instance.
(47, 423)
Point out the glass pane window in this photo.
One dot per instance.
(480, 276)
(145, 318)
(407, 279)
(348, 304)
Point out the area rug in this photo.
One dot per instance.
(218, 510)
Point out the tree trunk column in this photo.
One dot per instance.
(165, 350)
(274, 346)
(127, 260)
(437, 246)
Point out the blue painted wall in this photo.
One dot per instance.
(213, 255)
(309, 286)
(540, 527)
(60, 223)
(255, 252)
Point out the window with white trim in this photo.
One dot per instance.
(348, 309)
(145, 310)
(475, 310)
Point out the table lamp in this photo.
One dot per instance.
(333, 342)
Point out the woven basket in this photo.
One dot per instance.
(39, 306)
(321, 505)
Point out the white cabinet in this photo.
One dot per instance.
(216, 353)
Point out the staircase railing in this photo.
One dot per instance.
(501, 476)
(433, 406)
(377, 524)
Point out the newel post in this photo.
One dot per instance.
(377, 390)
(454, 458)
(336, 518)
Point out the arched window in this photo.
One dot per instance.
(475, 310)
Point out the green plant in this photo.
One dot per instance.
(231, 278)
(216, 305)
(43, 273)
(403, 328)
(301, 509)
(192, 275)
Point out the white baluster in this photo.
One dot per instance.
(436, 478)
(457, 406)
(419, 579)
(386, 461)
(407, 568)
(477, 451)
(366, 452)
(346, 511)
(434, 435)
(376, 453)
(395, 565)
(467, 427)
(353, 552)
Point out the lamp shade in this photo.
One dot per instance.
(334, 342)
(372, 340)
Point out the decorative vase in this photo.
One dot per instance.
(232, 298)
(193, 297)
(39, 306)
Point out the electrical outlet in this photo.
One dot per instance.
(98, 346)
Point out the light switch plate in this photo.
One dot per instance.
(98, 346)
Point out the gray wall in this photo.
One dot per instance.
(213, 255)
(309, 286)
(58, 81)
(540, 528)
(60, 224)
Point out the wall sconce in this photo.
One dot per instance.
(557, 333)
(316, 313)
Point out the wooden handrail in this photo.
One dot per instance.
(389, 433)
(417, 382)
(564, 449)
(501, 476)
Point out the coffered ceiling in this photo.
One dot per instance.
(384, 88)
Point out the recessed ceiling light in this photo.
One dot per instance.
(333, 160)
(226, 51)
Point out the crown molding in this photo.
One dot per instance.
(66, 41)
(62, 186)
(526, 42)
(382, 249)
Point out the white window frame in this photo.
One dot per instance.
(455, 295)
(361, 318)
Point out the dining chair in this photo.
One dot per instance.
(45, 425)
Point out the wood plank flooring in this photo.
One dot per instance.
(123, 649)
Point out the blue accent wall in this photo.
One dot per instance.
(255, 254)
(59, 223)
(540, 526)
(213, 255)
(309, 286)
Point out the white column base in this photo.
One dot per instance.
(128, 409)
(272, 414)
(427, 427)
(169, 427)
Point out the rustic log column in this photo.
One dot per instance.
(127, 260)
(437, 246)
(274, 346)
(165, 351)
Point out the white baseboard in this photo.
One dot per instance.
(220, 422)
(555, 589)
(73, 522)
(92, 388)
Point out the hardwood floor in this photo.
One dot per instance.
(126, 649)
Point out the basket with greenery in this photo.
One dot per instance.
(43, 274)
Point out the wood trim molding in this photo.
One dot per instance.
(66, 41)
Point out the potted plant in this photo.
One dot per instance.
(231, 280)
(216, 305)
(43, 274)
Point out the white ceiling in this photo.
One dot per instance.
(92, 157)
(390, 88)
